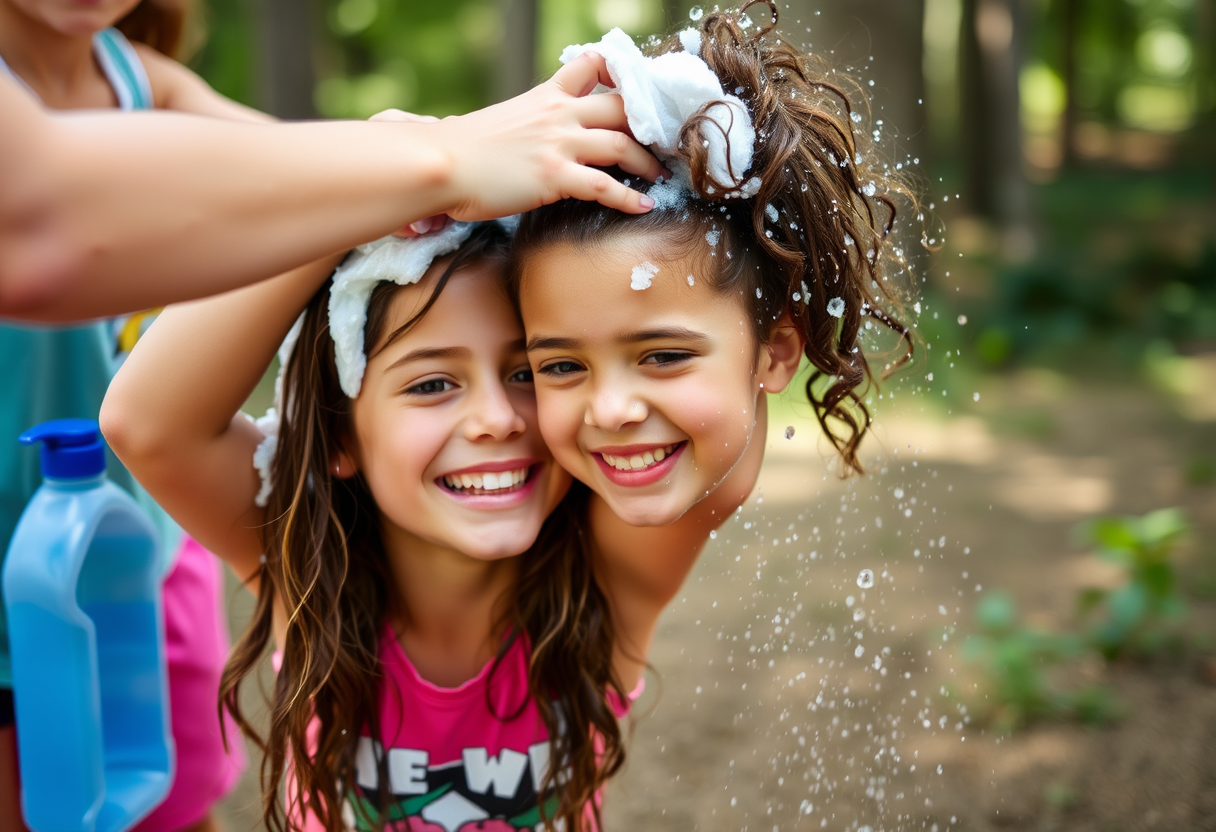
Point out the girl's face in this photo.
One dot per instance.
(75, 17)
(649, 396)
(445, 430)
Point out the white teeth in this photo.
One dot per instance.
(643, 460)
(487, 481)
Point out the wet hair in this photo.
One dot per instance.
(325, 562)
(160, 24)
(812, 243)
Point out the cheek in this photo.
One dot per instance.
(559, 416)
(394, 452)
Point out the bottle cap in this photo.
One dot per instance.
(71, 448)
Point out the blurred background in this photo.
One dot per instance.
(1008, 623)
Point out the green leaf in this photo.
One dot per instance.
(1128, 605)
(1162, 526)
(996, 613)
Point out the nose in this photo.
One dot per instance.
(493, 415)
(613, 406)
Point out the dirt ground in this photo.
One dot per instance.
(790, 693)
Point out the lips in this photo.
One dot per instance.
(634, 467)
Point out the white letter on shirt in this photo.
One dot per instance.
(407, 771)
(503, 772)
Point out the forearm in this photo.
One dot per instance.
(171, 413)
(179, 215)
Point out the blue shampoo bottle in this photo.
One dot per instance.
(82, 585)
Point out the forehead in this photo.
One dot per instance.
(474, 298)
(625, 280)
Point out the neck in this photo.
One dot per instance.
(59, 67)
(449, 606)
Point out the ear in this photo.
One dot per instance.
(781, 356)
(343, 465)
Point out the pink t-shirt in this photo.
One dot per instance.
(459, 759)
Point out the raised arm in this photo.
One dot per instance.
(641, 568)
(171, 414)
(105, 213)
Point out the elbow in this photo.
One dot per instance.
(126, 429)
(34, 285)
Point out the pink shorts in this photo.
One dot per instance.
(196, 641)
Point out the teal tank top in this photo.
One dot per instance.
(61, 372)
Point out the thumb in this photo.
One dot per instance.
(580, 76)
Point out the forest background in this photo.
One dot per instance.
(1013, 660)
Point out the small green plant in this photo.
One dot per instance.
(1017, 663)
(1144, 615)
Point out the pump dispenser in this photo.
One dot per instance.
(82, 587)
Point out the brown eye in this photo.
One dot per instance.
(431, 387)
(558, 369)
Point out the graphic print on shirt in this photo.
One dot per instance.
(480, 792)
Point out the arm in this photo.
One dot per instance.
(104, 213)
(171, 414)
(642, 568)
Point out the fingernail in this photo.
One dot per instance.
(647, 202)
(421, 226)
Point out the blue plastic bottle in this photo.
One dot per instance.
(82, 587)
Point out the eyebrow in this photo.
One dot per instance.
(424, 353)
(674, 333)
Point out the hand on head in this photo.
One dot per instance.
(538, 147)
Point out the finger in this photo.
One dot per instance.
(602, 111)
(597, 186)
(580, 76)
(605, 148)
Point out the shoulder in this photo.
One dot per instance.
(177, 87)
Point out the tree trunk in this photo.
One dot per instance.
(517, 68)
(880, 43)
(1070, 29)
(992, 43)
(286, 76)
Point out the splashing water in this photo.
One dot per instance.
(836, 307)
(865, 578)
(789, 432)
(695, 13)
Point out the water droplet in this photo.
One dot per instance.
(859, 614)
(836, 307)
(962, 320)
(975, 396)
(695, 13)
(865, 578)
(789, 432)
(859, 652)
(856, 118)
(712, 534)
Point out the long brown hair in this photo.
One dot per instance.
(813, 237)
(160, 24)
(326, 562)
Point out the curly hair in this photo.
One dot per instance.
(812, 242)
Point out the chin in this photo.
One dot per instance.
(643, 511)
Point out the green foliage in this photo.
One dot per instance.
(1144, 615)
(1018, 664)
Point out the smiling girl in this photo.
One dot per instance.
(454, 617)
(654, 338)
